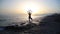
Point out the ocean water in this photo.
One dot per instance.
(11, 20)
(16, 20)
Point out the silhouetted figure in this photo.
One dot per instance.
(30, 18)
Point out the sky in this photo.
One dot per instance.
(37, 6)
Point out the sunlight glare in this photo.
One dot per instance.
(31, 6)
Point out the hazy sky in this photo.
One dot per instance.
(17, 6)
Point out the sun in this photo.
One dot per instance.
(31, 6)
